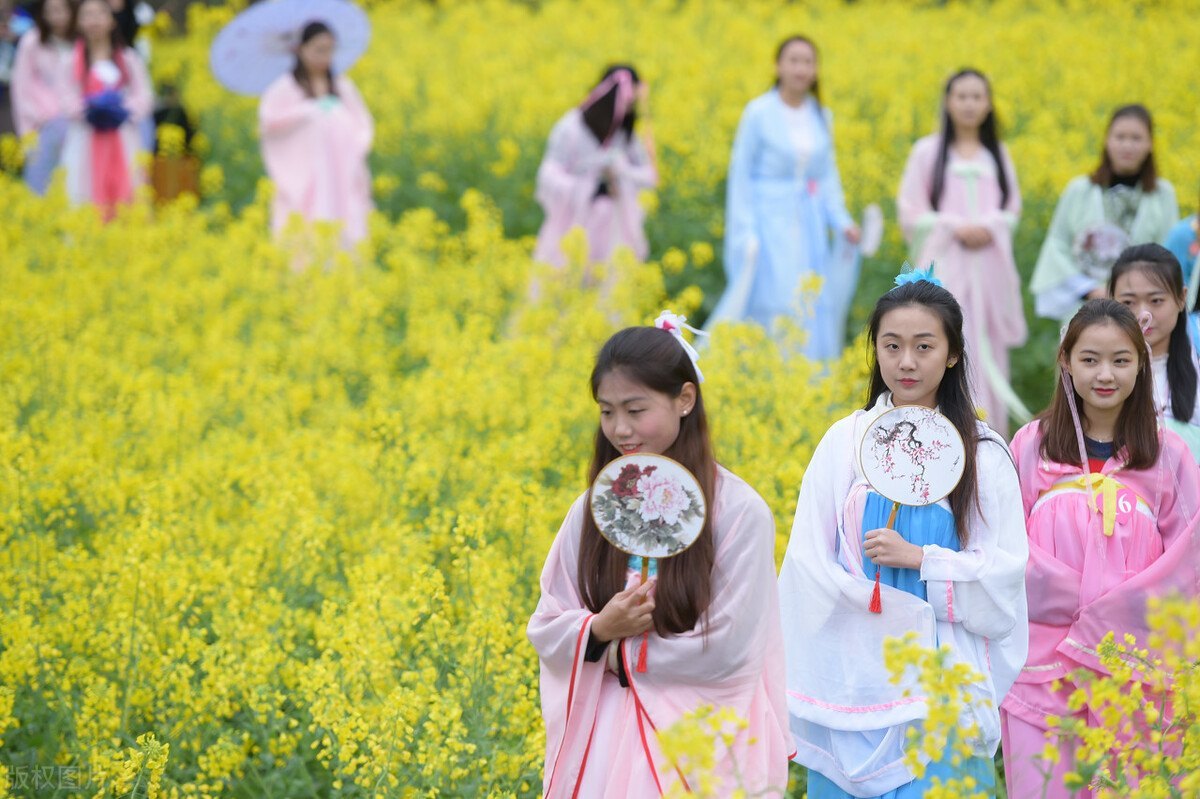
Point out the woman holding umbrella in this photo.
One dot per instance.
(316, 135)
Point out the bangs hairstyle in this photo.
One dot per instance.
(1147, 176)
(954, 392)
(1160, 267)
(598, 117)
(989, 137)
(309, 32)
(1136, 431)
(115, 41)
(653, 358)
(815, 89)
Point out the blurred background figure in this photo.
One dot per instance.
(1123, 202)
(596, 162)
(111, 96)
(958, 205)
(42, 88)
(316, 136)
(784, 211)
(14, 23)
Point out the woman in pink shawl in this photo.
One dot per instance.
(109, 99)
(1112, 518)
(958, 206)
(41, 88)
(621, 662)
(316, 136)
(594, 168)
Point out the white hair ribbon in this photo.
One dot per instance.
(675, 325)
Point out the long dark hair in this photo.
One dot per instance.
(954, 392)
(989, 137)
(45, 35)
(115, 40)
(599, 115)
(309, 32)
(1148, 174)
(815, 89)
(1136, 431)
(1160, 265)
(653, 358)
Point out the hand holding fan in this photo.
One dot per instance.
(911, 455)
(649, 506)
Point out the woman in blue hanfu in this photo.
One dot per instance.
(785, 217)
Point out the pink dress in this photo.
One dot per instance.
(41, 93)
(600, 737)
(316, 154)
(102, 165)
(567, 182)
(1091, 572)
(984, 281)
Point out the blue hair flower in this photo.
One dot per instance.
(910, 275)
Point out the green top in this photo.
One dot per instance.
(1059, 279)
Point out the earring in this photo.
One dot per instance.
(950, 364)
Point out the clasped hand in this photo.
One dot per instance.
(627, 614)
(886, 547)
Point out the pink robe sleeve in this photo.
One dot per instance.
(33, 102)
(1122, 610)
(1051, 585)
(742, 622)
(570, 685)
(364, 123)
(560, 190)
(139, 97)
(283, 108)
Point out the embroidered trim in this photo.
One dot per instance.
(950, 600)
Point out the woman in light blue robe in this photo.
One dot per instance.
(785, 216)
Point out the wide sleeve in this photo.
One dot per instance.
(139, 96)
(742, 620)
(740, 236)
(1003, 221)
(560, 616)
(283, 109)
(982, 587)
(917, 216)
(1058, 284)
(364, 123)
(836, 675)
(33, 102)
(1123, 609)
(637, 169)
(560, 186)
(1051, 586)
(833, 199)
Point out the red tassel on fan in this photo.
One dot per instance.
(641, 664)
(876, 605)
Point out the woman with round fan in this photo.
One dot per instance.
(622, 658)
(860, 568)
(597, 160)
(316, 136)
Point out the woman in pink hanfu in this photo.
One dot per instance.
(958, 206)
(41, 88)
(1096, 555)
(316, 136)
(110, 98)
(594, 167)
(621, 662)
